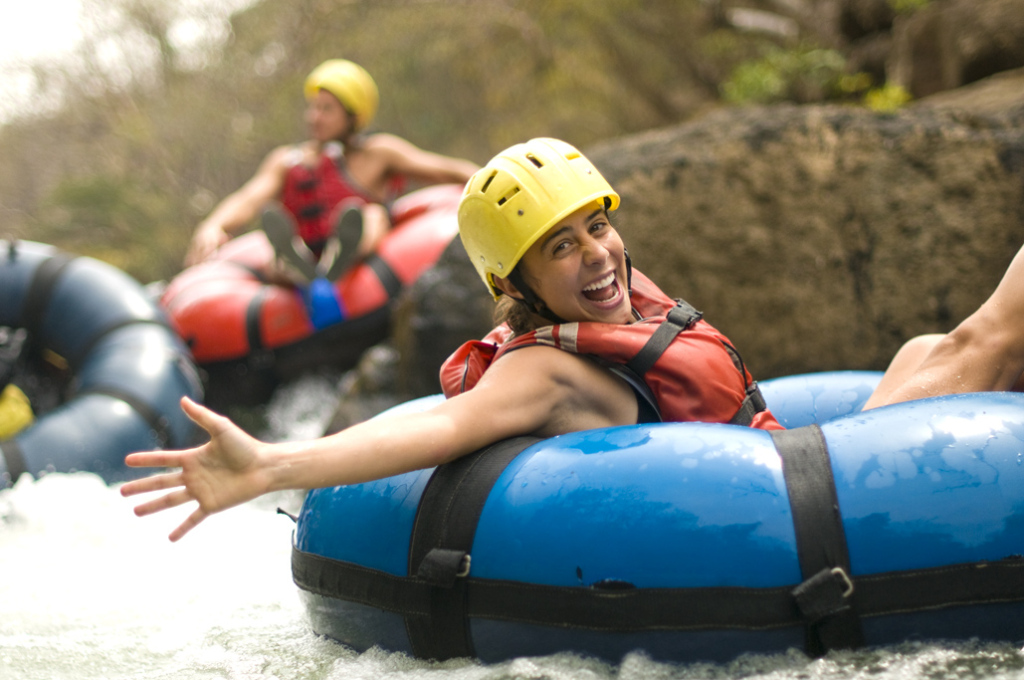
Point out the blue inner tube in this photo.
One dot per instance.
(689, 541)
(129, 369)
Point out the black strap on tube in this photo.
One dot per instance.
(442, 538)
(37, 297)
(385, 274)
(253, 313)
(664, 609)
(826, 598)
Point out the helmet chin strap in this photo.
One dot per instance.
(540, 307)
(535, 304)
(629, 274)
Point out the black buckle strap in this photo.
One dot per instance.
(752, 404)
(311, 211)
(825, 598)
(678, 319)
(442, 566)
(254, 313)
(825, 594)
(667, 609)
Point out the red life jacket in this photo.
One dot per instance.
(312, 194)
(670, 356)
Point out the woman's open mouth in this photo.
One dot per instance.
(602, 291)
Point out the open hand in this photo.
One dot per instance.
(224, 472)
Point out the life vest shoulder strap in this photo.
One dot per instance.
(678, 319)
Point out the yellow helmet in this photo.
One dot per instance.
(351, 84)
(520, 194)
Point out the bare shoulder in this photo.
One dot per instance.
(386, 140)
(571, 391)
(385, 145)
(282, 157)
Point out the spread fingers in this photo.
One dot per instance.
(171, 500)
(154, 483)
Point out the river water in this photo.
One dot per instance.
(89, 591)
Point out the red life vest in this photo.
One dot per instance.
(697, 376)
(311, 195)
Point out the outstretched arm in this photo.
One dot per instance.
(240, 207)
(405, 158)
(537, 390)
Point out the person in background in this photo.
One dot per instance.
(324, 202)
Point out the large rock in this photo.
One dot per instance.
(823, 237)
(447, 306)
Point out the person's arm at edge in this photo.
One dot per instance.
(239, 208)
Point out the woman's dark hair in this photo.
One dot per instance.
(515, 313)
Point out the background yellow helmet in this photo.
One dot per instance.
(518, 196)
(351, 84)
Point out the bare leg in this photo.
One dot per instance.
(984, 353)
(907, 360)
(376, 225)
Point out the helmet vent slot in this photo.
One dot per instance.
(487, 183)
(507, 197)
(533, 159)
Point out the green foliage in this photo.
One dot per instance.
(907, 6)
(803, 74)
(887, 98)
(109, 218)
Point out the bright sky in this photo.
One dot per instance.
(31, 30)
(45, 30)
(34, 28)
